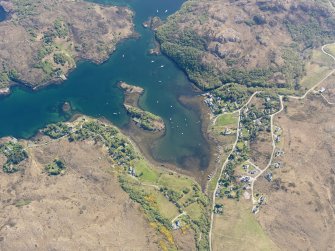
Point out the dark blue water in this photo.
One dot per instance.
(92, 90)
(3, 14)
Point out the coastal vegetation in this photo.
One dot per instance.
(57, 130)
(145, 119)
(88, 188)
(6, 76)
(120, 150)
(162, 194)
(166, 196)
(15, 154)
(229, 98)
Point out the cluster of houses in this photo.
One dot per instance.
(245, 179)
(131, 171)
(246, 169)
(272, 104)
(227, 190)
(215, 103)
(210, 101)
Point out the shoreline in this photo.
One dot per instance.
(59, 80)
(205, 120)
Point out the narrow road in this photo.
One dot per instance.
(224, 165)
(175, 218)
(328, 102)
(322, 80)
(273, 149)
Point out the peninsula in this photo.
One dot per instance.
(143, 119)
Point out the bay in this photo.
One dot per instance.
(92, 90)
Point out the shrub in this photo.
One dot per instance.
(55, 168)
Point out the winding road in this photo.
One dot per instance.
(273, 139)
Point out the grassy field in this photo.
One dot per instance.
(238, 229)
(175, 181)
(146, 173)
(315, 73)
(167, 208)
(319, 66)
(226, 119)
(330, 49)
(194, 211)
(164, 195)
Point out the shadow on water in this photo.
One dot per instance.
(92, 90)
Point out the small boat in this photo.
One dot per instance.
(123, 55)
(166, 11)
(115, 113)
(162, 66)
(157, 11)
(152, 61)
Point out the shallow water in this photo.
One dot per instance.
(92, 90)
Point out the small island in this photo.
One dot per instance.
(143, 119)
(40, 42)
(153, 23)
